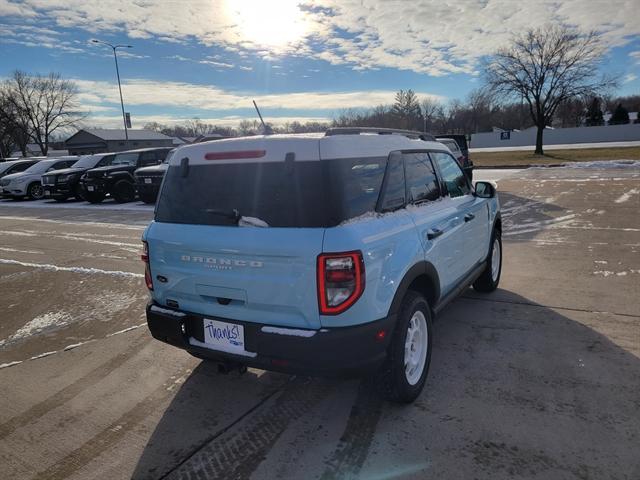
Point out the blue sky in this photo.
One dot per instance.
(300, 60)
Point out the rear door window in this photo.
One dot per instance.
(148, 158)
(422, 183)
(20, 167)
(125, 159)
(454, 179)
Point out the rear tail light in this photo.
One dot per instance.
(147, 270)
(340, 281)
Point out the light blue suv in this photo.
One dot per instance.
(319, 254)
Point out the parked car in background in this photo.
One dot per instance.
(65, 183)
(117, 178)
(29, 182)
(149, 179)
(318, 254)
(15, 166)
(463, 147)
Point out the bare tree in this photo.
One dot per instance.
(430, 109)
(546, 67)
(46, 103)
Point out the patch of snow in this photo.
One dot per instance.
(289, 331)
(42, 355)
(173, 313)
(602, 262)
(15, 250)
(625, 197)
(603, 164)
(252, 222)
(10, 364)
(75, 345)
(84, 270)
(122, 226)
(40, 323)
(126, 330)
(621, 274)
(604, 273)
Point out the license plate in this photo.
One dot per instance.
(227, 337)
(147, 180)
(47, 193)
(90, 188)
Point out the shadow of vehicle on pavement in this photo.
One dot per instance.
(515, 389)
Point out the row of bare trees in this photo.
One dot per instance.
(33, 108)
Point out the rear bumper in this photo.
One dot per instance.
(343, 352)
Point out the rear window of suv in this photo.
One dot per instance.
(282, 194)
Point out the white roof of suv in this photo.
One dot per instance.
(306, 147)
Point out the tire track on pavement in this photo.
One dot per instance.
(74, 389)
(235, 453)
(351, 453)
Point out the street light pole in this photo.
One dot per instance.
(115, 57)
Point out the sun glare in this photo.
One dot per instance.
(271, 23)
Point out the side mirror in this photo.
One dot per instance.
(485, 190)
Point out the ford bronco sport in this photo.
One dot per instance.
(319, 254)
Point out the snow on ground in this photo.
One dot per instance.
(42, 322)
(564, 146)
(105, 206)
(625, 197)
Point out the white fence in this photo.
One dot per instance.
(558, 136)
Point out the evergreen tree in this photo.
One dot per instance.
(594, 114)
(407, 110)
(620, 116)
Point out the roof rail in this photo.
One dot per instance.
(379, 131)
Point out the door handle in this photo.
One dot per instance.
(434, 233)
(468, 217)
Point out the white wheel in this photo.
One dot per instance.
(496, 259)
(415, 347)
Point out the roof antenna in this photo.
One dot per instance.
(265, 129)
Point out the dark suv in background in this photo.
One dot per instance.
(149, 179)
(117, 178)
(463, 158)
(62, 184)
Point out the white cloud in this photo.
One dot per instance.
(139, 121)
(203, 97)
(430, 36)
(629, 78)
(636, 56)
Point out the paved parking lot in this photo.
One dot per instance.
(540, 379)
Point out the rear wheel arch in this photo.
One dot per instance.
(422, 278)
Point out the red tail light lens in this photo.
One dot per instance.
(147, 270)
(340, 281)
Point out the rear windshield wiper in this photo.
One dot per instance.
(231, 214)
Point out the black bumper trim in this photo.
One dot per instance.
(342, 351)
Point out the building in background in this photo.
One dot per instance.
(89, 141)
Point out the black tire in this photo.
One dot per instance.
(35, 191)
(392, 378)
(148, 197)
(60, 198)
(94, 197)
(78, 192)
(488, 281)
(124, 191)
